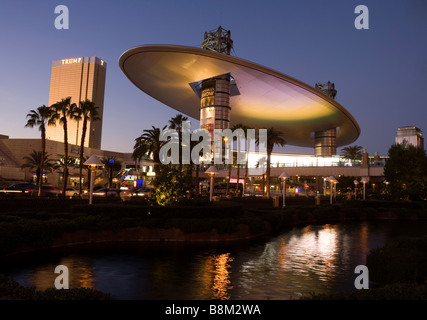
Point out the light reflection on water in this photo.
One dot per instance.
(313, 259)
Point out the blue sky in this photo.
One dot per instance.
(380, 73)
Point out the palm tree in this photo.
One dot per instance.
(40, 117)
(273, 138)
(149, 144)
(111, 164)
(40, 162)
(175, 123)
(62, 110)
(230, 165)
(262, 163)
(352, 153)
(245, 129)
(85, 111)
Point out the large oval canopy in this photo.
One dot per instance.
(265, 99)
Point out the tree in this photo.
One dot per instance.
(352, 153)
(85, 111)
(62, 111)
(406, 171)
(169, 186)
(175, 123)
(111, 164)
(40, 117)
(273, 138)
(40, 163)
(149, 144)
(245, 129)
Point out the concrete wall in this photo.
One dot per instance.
(14, 150)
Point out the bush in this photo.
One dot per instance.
(397, 291)
(11, 290)
(401, 260)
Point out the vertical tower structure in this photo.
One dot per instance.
(79, 78)
(412, 135)
(215, 92)
(325, 141)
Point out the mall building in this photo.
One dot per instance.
(303, 168)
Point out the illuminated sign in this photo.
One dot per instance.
(151, 174)
(130, 178)
(71, 61)
(242, 181)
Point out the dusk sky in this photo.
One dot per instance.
(380, 73)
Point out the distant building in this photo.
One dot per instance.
(412, 135)
(79, 78)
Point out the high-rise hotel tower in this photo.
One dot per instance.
(79, 78)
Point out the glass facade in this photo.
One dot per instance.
(325, 143)
(79, 78)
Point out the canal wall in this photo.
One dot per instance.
(262, 223)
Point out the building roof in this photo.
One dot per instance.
(264, 98)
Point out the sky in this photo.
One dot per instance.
(380, 73)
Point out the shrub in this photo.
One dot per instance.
(11, 290)
(401, 260)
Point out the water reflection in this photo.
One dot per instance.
(80, 274)
(222, 283)
(319, 258)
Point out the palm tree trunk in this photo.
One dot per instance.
(42, 161)
(268, 174)
(228, 180)
(246, 174)
(65, 176)
(38, 176)
(238, 176)
(82, 143)
(197, 180)
(263, 185)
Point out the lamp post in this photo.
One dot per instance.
(284, 176)
(355, 189)
(331, 179)
(212, 171)
(93, 162)
(335, 189)
(364, 181)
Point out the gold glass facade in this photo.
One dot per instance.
(325, 143)
(215, 104)
(79, 78)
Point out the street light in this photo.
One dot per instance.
(93, 162)
(212, 171)
(355, 189)
(331, 179)
(335, 188)
(284, 176)
(364, 181)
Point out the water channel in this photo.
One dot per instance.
(294, 262)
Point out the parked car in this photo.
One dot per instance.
(71, 193)
(125, 195)
(30, 189)
(105, 192)
(86, 191)
(20, 189)
(49, 191)
(140, 192)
